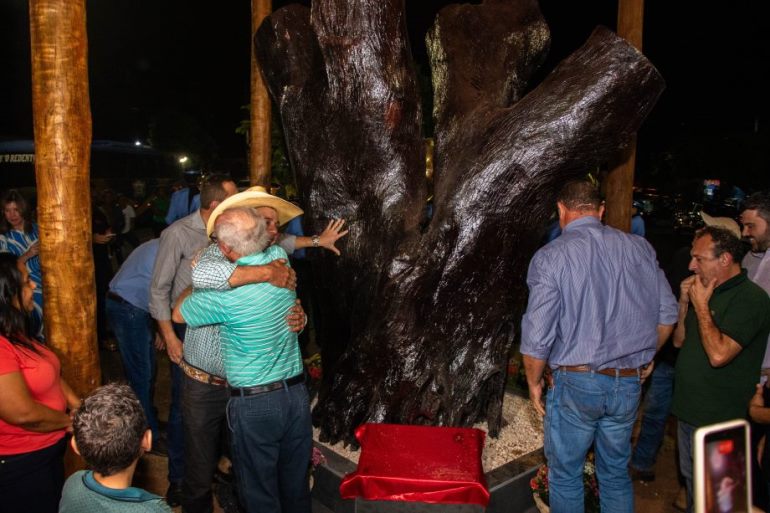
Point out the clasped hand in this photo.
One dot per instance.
(693, 289)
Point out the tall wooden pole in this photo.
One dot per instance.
(619, 186)
(62, 120)
(259, 134)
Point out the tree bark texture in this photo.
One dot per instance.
(418, 320)
(259, 132)
(62, 125)
(619, 183)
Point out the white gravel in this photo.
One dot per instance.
(523, 433)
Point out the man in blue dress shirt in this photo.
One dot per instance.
(599, 308)
(128, 310)
(183, 203)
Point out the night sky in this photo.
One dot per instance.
(155, 59)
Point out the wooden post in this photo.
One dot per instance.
(619, 185)
(62, 120)
(259, 133)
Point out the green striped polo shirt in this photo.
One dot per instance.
(257, 346)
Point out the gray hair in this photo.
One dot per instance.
(242, 230)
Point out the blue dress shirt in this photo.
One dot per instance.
(596, 298)
(180, 205)
(132, 282)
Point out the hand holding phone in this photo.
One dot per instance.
(722, 468)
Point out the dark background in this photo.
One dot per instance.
(177, 74)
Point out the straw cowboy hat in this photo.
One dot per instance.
(722, 222)
(256, 197)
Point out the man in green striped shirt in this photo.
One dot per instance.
(268, 413)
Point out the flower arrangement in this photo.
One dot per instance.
(517, 376)
(314, 373)
(314, 368)
(316, 458)
(540, 489)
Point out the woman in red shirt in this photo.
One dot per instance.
(33, 403)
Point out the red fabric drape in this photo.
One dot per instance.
(418, 464)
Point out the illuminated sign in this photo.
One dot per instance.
(17, 158)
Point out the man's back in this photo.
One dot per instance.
(132, 281)
(83, 494)
(172, 273)
(257, 345)
(602, 297)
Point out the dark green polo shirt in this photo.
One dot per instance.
(704, 394)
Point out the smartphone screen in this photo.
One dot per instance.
(723, 475)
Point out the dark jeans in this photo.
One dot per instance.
(203, 408)
(657, 406)
(271, 446)
(685, 434)
(174, 431)
(132, 327)
(32, 482)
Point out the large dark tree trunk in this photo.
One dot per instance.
(417, 323)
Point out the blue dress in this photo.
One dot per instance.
(17, 243)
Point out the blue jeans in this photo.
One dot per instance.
(132, 327)
(656, 408)
(684, 434)
(584, 409)
(271, 447)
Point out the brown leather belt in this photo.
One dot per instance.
(623, 373)
(267, 387)
(202, 376)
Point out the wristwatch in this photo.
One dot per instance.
(316, 240)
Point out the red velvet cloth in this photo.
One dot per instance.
(418, 464)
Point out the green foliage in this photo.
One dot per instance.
(280, 169)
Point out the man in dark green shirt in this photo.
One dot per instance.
(723, 328)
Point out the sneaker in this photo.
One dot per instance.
(641, 475)
(174, 495)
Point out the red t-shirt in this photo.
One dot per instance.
(41, 374)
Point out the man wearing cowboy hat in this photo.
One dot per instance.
(277, 212)
(203, 402)
(179, 244)
(263, 366)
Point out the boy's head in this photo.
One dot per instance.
(110, 429)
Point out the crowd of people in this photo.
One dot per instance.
(228, 248)
(600, 309)
(217, 293)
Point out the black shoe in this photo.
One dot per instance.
(174, 495)
(641, 475)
